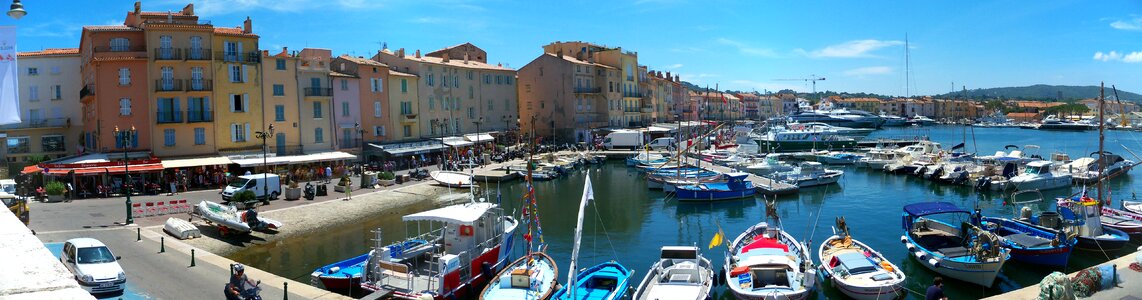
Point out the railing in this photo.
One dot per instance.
(168, 54)
(647, 109)
(168, 85)
(119, 49)
(198, 54)
(252, 57)
(169, 116)
(632, 94)
(588, 90)
(38, 123)
(193, 116)
(198, 85)
(317, 91)
(87, 90)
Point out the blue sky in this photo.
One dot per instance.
(857, 45)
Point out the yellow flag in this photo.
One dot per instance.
(718, 239)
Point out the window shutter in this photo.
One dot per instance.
(246, 136)
(245, 102)
(135, 139)
(244, 75)
(231, 100)
(177, 111)
(233, 133)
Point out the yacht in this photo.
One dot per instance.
(1040, 175)
(858, 118)
(894, 121)
(1054, 123)
(810, 174)
(921, 121)
(906, 155)
(846, 131)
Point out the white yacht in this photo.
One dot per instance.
(1040, 175)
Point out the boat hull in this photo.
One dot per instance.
(343, 276)
(695, 195)
(791, 146)
(981, 273)
(495, 290)
(888, 290)
(1112, 241)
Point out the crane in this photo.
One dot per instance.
(812, 79)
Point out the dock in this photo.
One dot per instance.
(764, 185)
(1125, 289)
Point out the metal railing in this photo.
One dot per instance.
(168, 54)
(119, 49)
(588, 90)
(197, 85)
(318, 91)
(168, 85)
(632, 94)
(38, 123)
(193, 116)
(198, 54)
(252, 57)
(87, 90)
(168, 116)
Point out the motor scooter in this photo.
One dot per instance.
(309, 191)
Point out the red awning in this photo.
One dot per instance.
(31, 169)
(78, 171)
(136, 168)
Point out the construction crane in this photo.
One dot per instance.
(812, 79)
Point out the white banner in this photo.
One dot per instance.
(9, 87)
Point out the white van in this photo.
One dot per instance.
(624, 139)
(661, 143)
(261, 184)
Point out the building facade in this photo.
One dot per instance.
(281, 100)
(372, 110)
(237, 89)
(561, 98)
(405, 108)
(317, 100)
(49, 107)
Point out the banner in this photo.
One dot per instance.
(9, 88)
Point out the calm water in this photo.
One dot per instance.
(629, 223)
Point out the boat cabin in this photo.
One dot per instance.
(1040, 167)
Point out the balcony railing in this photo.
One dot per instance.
(318, 92)
(632, 94)
(198, 54)
(588, 90)
(647, 109)
(251, 57)
(168, 85)
(87, 90)
(37, 123)
(169, 116)
(198, 85)
(119, 49)
(168, 54)
(193, 116)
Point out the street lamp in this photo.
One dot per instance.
(17, 10)
(477, 122)
(125, 137)
(361, 139)
(265, 175)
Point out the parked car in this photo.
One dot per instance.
(661, 143)
(262, 185)
(95, 268)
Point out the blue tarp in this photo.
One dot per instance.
(931, 208)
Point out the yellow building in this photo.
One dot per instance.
(237, 89)
(181, 83)
(404, 108)
(280, 96)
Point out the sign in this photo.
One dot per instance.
(9, 88)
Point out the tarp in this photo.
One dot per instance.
(31, 169)
(195, 162)
(456, 214)
(479, 138)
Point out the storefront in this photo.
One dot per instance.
(196, 173)
(108, 179)
(402, 156)
(303, 167)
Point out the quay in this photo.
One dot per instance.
(1126, 287)
(762, 184)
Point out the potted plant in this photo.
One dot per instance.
(55, 191)
(343, 184)
(244, 199)
(387, 178)
(293, 192)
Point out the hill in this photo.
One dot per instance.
(1042, 92)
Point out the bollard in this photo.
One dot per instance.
(162, 244)
(192, 257)
(138, 234)
(285, 290)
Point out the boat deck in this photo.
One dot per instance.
(763, 184)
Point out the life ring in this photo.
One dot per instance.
(466, 230)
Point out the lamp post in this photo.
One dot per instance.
(16, 11)
(265, 175)
(124, 136)
(361, 139)
(477, 122)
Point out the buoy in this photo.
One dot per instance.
(934, 262)
(910, 246)
(920, 255)
(903, 239)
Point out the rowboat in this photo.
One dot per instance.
(856, 269)
(344, 275)
(451, 179)
(680, 273)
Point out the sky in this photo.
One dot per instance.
(857, 46)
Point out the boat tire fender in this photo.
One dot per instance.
(934, 262)
(903, 239)
(920, 255)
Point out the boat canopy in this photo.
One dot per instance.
(931, 208)
(457, 214)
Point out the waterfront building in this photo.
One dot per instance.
(408, 109)
(237, 89)
(1024, 116)
(113, 67)
(316, 107)
(281, 102)
(624, 98)
(344, 106)
(362, 99)
(751, 103)
(563, 96)
(717, 106)
(955, 109)
(658, 96)
(52, 126)
(871, 105)
(1032, 106)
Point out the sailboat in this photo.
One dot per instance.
(606, 281)
(533, 276)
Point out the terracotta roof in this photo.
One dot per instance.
(1037, 104)
(232, 31)
(110, 28)
(339, 74)
(1022, 115)
(572, 59)
(455, 63)
(113, 58)
(362, 61)
(395, 73)
(163, 13)
(50, 51)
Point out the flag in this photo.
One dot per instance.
(718, 239)
(9, 88)
(723, 98)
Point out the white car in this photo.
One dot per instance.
(95, 268)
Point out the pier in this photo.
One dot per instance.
(1126, 287)
(763, 184)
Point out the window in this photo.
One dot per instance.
(199, 109)
(344, 84)
(345, 109)
(455, 81)
(168, 137)
(237, 73)
(508, 80)
(406, 108)
(377, 109)
(56, 92)
(238, 132)
(279, 90)
(407, 131)
(471, 75)
(124, 76)
(506, 106)
(429, 81)
(431, 103)
(165, 51)
(239, 102)
(378, 85)
(490, 108)
(279, 113)
(280, 64)
(317, 110)
(196, 48)
(18, 145)
(471, 112)
(403, 85)
(125, 107)
(378, 130)
(200, 136)
(318, 135)
(231, 50)
(168, 111)
(33, 93)
(120, 44)
(53, 143)
(471, 93)
(33, 71)
(487, 79)
(499, 79)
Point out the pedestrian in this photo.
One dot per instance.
(174, 187)
(328, 172)
(936, 290)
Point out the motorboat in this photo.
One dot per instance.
(800, 138)
(1132, 206)
(837, 158)
(680, 273)
(956, 250)
(453, 250)
(1040, 175)
(876, 158)
(907, 154)
(767, 166)
(894, 121)
(919, 120)
(811, 116)
(1128, 222)
(1029, 242)
(1085, 220)
(1055, 123)
(539, 175)
(809, 174)
(606, 281)
(645, 158)
(857, 118)
(1087, 169)
(856, 269)
(838, 130)
(230, 220)
(735, 186)
(766, 262)
(451, 178)
(533, 276)
(344, 275)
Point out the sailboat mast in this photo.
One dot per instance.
(907, 69)
(1101, 138)
(587, 196)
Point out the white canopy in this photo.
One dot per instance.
(294, 159)
(194, 162)
(455, 141)
(479, 138)
(466, 214)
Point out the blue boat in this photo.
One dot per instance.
(1031, 243)
(605, 281)
(645, 159)
(735, 187)
(961, 251)
(343, 276)
(1085, 216)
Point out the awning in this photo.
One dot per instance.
(658, 129)
(31, 169)
(455, 141)
(479, 138)
(456, 214)
(78, 171)
(324, 156)
(404, 149)
(195, 162)
(294, 159)
(136, 168)
(258, 161)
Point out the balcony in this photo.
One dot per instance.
(168, 85)
(647, 110)
(99, 49)
(198, 54)
(318, 92)
(168, 54)
(169, 116)
(195, 116)
(199, 85)
(251, 57)
(38, 123)
(632, 94)
(588, 90)
(87, 90)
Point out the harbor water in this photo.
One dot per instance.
(628, 222)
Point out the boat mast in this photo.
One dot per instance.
(1101, 138)
(588, 195)
(907, 69)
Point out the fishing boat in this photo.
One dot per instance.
(451, 178)
(454, 250)
(340, 276)
(657, 180)
(735, 186)
(1029, 242)
(680, 273)
(964, 251)
(810, 174)
(1132, 206)
(539, 175)
(1085, 218)
(606, 281)
(645, 159)
(766, 262)
(229, 219)
(1128, 222)
(767, 166)
(533, 276)
(858, 270)
(1040, 175)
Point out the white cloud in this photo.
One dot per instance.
(1134, 24)
(223, 7)
(674, 66)
(747, 49)
(860, 72)
(1112, 55)
(851, 49)
(1133, 57)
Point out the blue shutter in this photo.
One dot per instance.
(135, 139)
(118, 141)
(177, 111)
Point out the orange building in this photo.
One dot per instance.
(115, 90)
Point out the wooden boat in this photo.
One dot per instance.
(1132, 206)
(735, 186)
(969, 254)
(766, 262)
(680, 273)
(856, 269)
(1128, 222)
(1028, 240)
(1086, 222)
(451, 179)
(533, 276)
(342, 276)
(606, 281)
(229, 219)
(810, 174)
